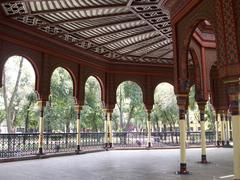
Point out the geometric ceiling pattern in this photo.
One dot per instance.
(120, 30)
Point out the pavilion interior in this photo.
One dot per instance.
(181, 42)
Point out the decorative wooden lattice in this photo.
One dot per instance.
(120, 30)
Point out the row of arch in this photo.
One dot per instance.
(98, 76)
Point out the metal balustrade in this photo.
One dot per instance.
(26, 144)
(16, 145)
(159, 139)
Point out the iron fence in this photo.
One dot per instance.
(159, 139)
(26, 144)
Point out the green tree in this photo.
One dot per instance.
(18, 83)
(165, 108)
(28, 115)
(129, 107)
(92, 113)
(60, 112)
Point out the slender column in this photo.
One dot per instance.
(106, 129)
(230, 128)
(110, 142)
(78, 110)
(149, 128)
(41, 105)
(203, 132)
(234, 99)
(227, 129)
(182, 103)
(223, 128)
(219, 129)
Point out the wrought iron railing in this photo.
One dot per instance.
(16, 145)
(158, 139)
(26, 144)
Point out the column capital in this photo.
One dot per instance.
(41, 103)
(201, 105)
(108, 111)
(78, 107)
(182, 101)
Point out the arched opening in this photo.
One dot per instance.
(60, 114)
(165, 115)
(193, 119)
(18, 113)
(202, 55)
(129, 116)
(92, 113)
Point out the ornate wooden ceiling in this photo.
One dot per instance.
(120, 30)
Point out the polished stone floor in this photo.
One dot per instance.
(122, 165)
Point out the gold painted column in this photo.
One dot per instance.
(227, 133)
(219, 128)
(106, 129)
(182, 103)
(110, 135)
(149, 128)
(223, 128)
(230, 128)
(203, 132)
(78, 110)
(41, 105)
(234, 99)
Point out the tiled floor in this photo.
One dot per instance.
(122, 165)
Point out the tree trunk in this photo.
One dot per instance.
(129, 118)
(120, 107)
(10, 107)
(164, 130)
(158, 127)
(171, 131)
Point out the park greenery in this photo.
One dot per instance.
(19, 110)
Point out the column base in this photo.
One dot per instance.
(183, 169)
(106, 146)
(40, 151)
(78, 149)
(204, 159)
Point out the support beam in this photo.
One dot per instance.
(223, 128)
(203, 132)
(234, 100)
(149, 128)
(110, 141)
(106, 130)
(217, 129)
(182, 103)
(227, 132)
(78, 110)
(41, 105)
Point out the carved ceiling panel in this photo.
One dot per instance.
(120, 30)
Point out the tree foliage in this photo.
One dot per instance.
(129, 114)
(60, 115)
(92, 115)
(165, 109)
(18, 84)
